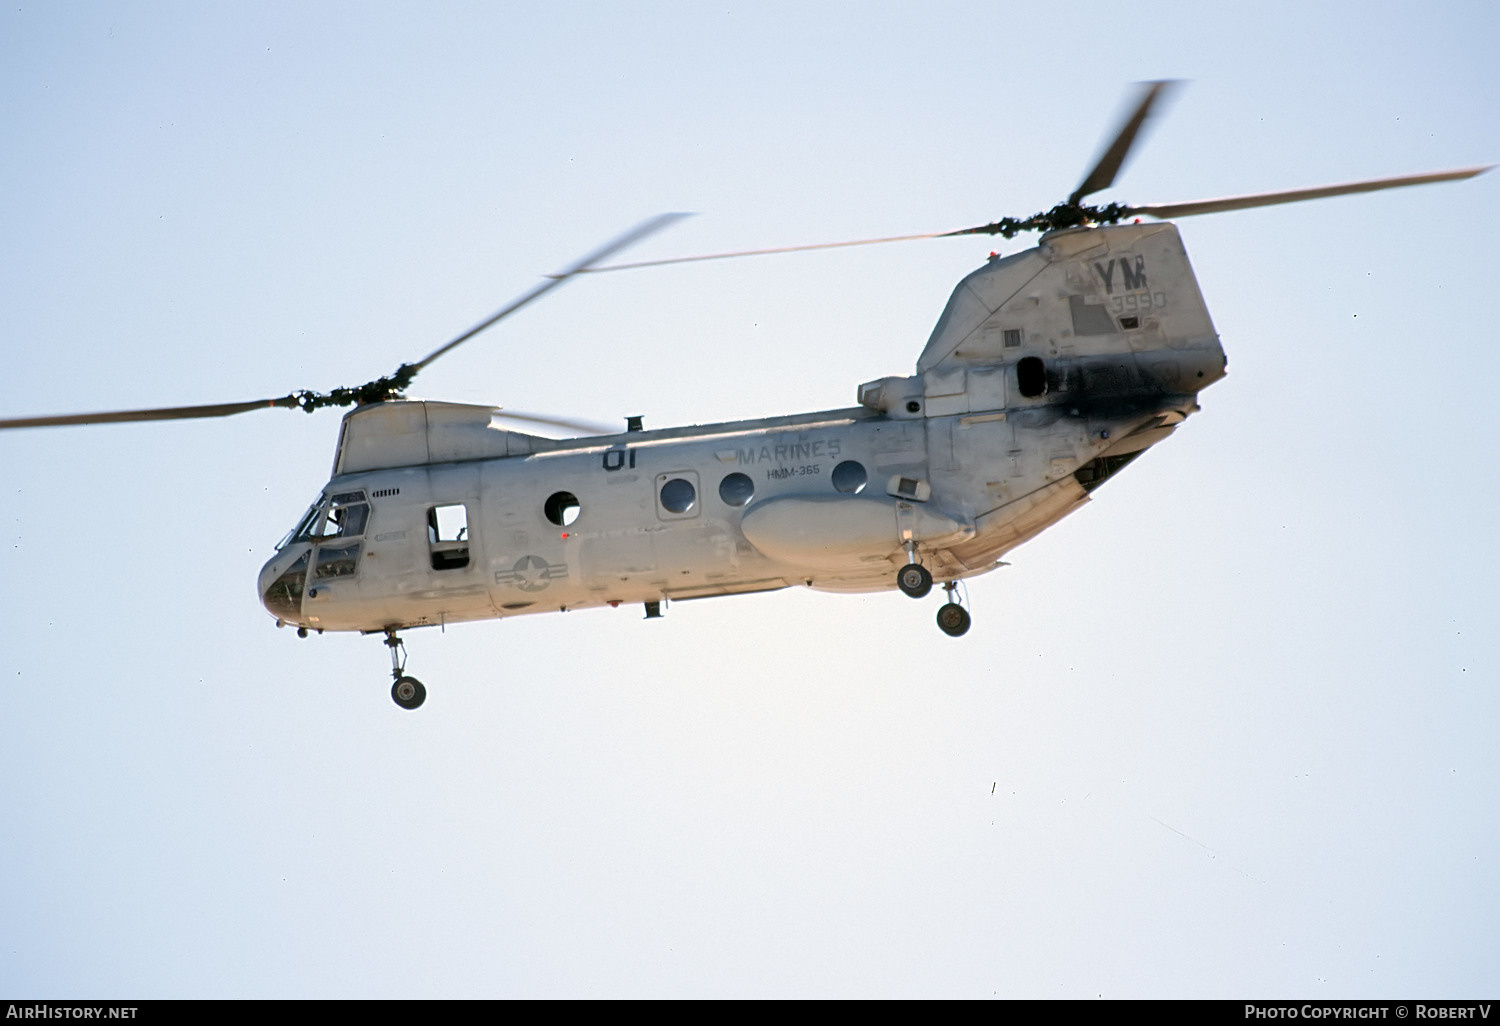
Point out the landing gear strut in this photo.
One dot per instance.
(953, 619)
(408, 692)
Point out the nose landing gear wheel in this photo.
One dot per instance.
(408, 692)
(914, 580)
(953, 620)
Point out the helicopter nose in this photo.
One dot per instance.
(281, 583)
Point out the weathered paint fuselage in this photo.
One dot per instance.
(1048, 371)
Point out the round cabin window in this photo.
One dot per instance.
(562, 508)
(678, 495)
(736, 489)
(849, 477)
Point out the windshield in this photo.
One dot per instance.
(338, 516)
(303, 528)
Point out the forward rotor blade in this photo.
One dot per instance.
(1113, 158)
(1267, 199)
(378, 390)
(165, 413)
(761, 252)
(583, 426)
(553, 281)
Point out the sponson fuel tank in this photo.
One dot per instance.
(833, 531)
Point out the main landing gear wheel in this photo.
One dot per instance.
(914, 580)
(408, 692)
(953, 620)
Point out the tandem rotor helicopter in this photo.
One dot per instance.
(1048, 372)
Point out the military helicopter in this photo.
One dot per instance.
(1048, 372)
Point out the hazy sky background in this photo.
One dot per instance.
(1228, 731)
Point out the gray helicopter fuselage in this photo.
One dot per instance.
(1048, 371)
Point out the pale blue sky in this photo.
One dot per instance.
(1237, 714)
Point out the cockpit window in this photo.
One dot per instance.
(284, 596)
(303, 530)
(344, 522)
(336, 561)
(339, 516)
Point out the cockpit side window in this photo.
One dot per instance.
(336, 561)
(346, 516)
(337, 516)
(344, 521)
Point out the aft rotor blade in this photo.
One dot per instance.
(762, 252)
(1113, 158)
(1267, 199)
(553, 281)
(164, 413)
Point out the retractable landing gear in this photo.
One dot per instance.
(407, 692)
(953, 619)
